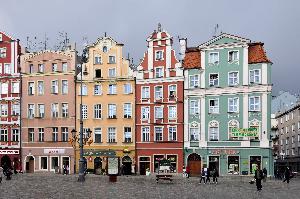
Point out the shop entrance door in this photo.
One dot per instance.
(144, 165)
(126, 162)
(213, 163)
(194, 162)
(97, 165)
(30, 165)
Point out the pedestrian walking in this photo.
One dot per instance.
(287, 175)
(265, 174)
(208, 175)
(215, 175)
(188, 171)
(258, 176)
(202, 177)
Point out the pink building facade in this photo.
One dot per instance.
(48, 116)
(9, 102)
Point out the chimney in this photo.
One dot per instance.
(183, 44)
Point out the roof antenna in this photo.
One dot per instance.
(216, 30)
(104, 34)
(159, 27)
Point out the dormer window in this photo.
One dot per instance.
(159, 55)
(112, 60)
(159, 72)
(104, 49)
(213, 58)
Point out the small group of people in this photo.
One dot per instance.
(206, 173)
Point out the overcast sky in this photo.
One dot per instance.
(274, 22)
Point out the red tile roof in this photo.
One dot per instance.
(257, 54)
(192, 58)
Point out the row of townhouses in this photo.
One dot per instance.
(210, 108)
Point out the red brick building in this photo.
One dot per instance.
(159, 105)
(9, 101)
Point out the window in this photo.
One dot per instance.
(254, 103)
(158, 112)
(172, 133)
(145, 113)
(214, 106)
(41, 135)
(172, 112)
(65, 67)
(127, 110)
(98, 60)
(97, 111)
(15, 135)
(64, 87)
(4, 88)
(44, 163)
(233, 105)
(213, 58)
(54, 87)
(112, 111)
(233, 55)
(31, 135)
(254, 76)
(54, 67)
(30, 111)
(233, 78)
(281, 131)
(111, 134)
(54, 134)
(7, 69)
(40, 87)
(30, 68)
(233, 165)
(159, 55)
(111, 59)
(2, 52)
(158, 133)
(127, 134)
(287, 117)
(84, 90)
(194, 132)
(98, 73)
(293, 127)
(112, 89)
(146, 134)
(41, 110)
(54, 110)
(127, 88)
(292, 115)
(213, 131)
(15, 109)
(41, 68)
(158, 92)
(213, 79)
(104, 49)
(30, 88)
(194, 81)
(286, 129)
(15, 87)
(281, 120)
(0, 37)
(111, 72)
(172, 91)
(159, 72)
(84, 111)
(98, 135)
(232, 125)
(4, 109)
(97, 90)
(4, 135)
(194, 107)
(293, 139)
(298, 125)
(255, 125)
(65, 110)
(64, 134)
(145, 92)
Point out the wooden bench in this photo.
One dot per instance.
(163, 177)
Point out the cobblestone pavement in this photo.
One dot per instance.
(40, 185)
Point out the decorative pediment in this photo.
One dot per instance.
(233, 123)
(254, 122)
(225, 38)
(32, 55)
(194, 124)
(104, 43)
(213, 123)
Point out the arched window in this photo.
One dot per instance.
(104, 49)
(232, 125)
(255, 124)
(213, 130)
(194, 132)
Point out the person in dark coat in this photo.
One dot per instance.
(202, 177)
(208, 175)
(287, 175)
(265, 173)
(215, 175)
(258, 176)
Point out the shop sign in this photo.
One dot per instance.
(244, 132)
(113, 165)
(54, 151)
(98, 153)
(9, 151)
(224, 151)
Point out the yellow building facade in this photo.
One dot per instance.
(108, 104)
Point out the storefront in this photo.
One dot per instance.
(11, 158)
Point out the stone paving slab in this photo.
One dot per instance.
(45, 185)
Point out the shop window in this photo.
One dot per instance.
(233, 124)
(54, 162)
(233, 165)
(213, 163)
(255, 162)
(44, 163)
(157, 158)
(173, 161)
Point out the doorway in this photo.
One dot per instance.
(97, 165)
(194, 162)
(126, 162)
(144, 165)
(213, 163)
(29, 164)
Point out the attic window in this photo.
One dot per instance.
(213, 58)
(233, 55)
(104, 49)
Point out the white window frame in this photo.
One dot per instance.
(28, 111)
(54, 110)
(112, 89)
(110, 74)
(15, 109)
(172, 113)
(112, 61)
(64, 87)
(84, 111)
(194, 129)
(171, 134)
(97, 111)
(212, 82)
(194, 107)
(162, 133)
(172, 92)
(145, 113)
(159, 114)
(256, 106)
(31, 89)
(214, 109)
(161, 55)
(98, 59)
(54, 86)
(159, 72)
(145, 134)
(4, 110)
(253, 81)
(127, 110)
(15, 135)
(159, 95)
(127, 88)
(15, 87)
(215, 137)
(64, 134)
(112, 111)
(41, 110)
(3, 52)
(126, 133)
(235, 80)
(111, 138)
(234, 106)
(64, 67)
(41, 68)
(97, 89)
(210, 61)
(237, 57)
(193, 81)
(84, 90)
(54, 67)
(98, 131)
(40, 87)
(64, 110)
(145, 95)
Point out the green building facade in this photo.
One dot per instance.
(228, 95)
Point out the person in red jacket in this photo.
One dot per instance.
(188, 171)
